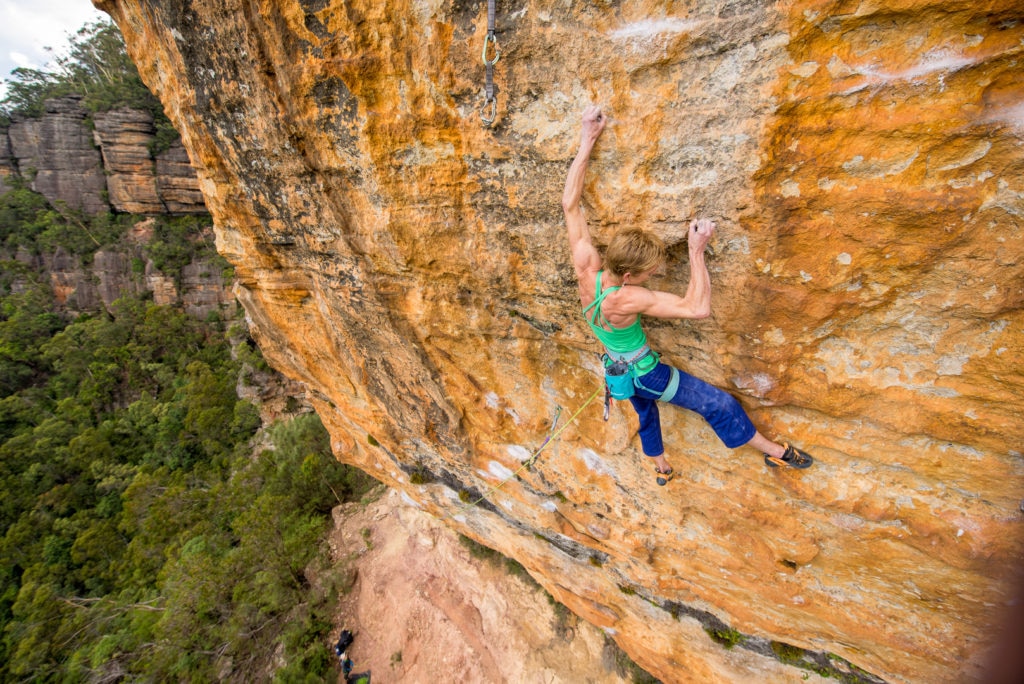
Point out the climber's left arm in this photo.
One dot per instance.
(585, 257)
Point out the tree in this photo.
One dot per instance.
(97, 67)
(26, 318)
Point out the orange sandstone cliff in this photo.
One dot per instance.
(865, 163)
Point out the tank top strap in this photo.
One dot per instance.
(597, 318)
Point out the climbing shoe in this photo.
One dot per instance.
(793, 458)
(664, 477)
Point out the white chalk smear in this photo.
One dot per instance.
(595, 463)
(648, 28)
(933, 62)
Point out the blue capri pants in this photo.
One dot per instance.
(720, 409)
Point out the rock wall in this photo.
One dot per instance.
(99, 168)
(200, 287)
(123, 136)
(864, 162)
(6, 159)
(176, 182)
(57, 154)
(419, 593)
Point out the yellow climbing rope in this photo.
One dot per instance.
(530, 461)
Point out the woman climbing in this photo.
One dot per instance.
(613, 295)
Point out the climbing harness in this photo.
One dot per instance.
(552, 436)
(670, 389)
(620, 373)
(622, 377)
(620, 383)
(490, 42)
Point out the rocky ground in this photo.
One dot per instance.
(426, 609)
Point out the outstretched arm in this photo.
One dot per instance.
(584, 255)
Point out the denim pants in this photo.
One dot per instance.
(720, 409)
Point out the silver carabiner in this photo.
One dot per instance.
(493, 101)
(491, 40)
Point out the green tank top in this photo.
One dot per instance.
(625, 342)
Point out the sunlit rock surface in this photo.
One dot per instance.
(865, 165)
(123, 135)
(427, 609)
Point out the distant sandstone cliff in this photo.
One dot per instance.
(104, 168)
(108, 167)
(865, 162)
(200, 287)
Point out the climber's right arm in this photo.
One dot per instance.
(585, 258)
(696, 303)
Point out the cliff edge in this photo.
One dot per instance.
(865, 163)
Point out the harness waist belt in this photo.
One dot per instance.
(629, 359)
(670, 389)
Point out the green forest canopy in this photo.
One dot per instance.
(144, 537)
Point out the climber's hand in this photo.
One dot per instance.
(701, 231)
(593, 123)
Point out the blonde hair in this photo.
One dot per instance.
(633, 250)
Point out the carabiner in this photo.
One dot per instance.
(491, 40)
(493, 101)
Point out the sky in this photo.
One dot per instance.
(29, 26)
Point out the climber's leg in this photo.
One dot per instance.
(720, 409)
(766, 446)
(650, 435)
(725, 415)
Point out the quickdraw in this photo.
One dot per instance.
(490, 101)
(554, 423)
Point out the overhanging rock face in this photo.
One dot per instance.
(409, 265)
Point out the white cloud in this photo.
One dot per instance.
(20, 59)
(29, 27)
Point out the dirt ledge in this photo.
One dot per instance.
(425, 610)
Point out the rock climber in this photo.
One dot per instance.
(613, 294)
